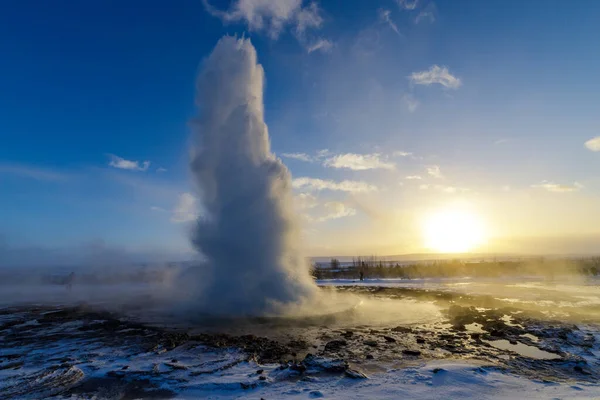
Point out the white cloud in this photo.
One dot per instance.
(323, 153)
(121, 163)
(435, 74)
(305, 201)
(185, 210)
(321, 212)
(408, 4)
(161, 169)
(411, 103)
(316, 184)
(593, 144)
(359, 162)
(451, 189)
(385, 17)
(298, 156)
(413, 177)
(320, 44)
(434, 170)
(558, 188)
(402, 154)
(273, 17)
(335, 210)
(28, 171)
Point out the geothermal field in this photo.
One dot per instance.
(249, 321)
(385, 339)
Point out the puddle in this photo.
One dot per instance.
(508, 320)
(474, 328)
(531, 337)
(523, 349)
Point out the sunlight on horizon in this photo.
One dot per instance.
(453, 230)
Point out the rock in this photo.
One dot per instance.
(579, 369)
(115, 374)
(348, 334)
(408, 352)
(354, 374)
(262, 378)
(246, 386)
(496, 333)
(436, 370)
(389, 339)
(298, 367)
(260, 371)
(369, 356)
(335, 345)
(176, 366)
(325, 364)
(371, 343)
(401, 329)
(315, 394)
(420, 340)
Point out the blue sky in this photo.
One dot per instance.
(495, 101)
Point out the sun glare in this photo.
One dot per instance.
(453, 231)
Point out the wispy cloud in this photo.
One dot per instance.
(593, 144)
(385, 17)
(411, 103)
(359, 162)
(160, 169)
(315, 184)
(273, 17)
(323, 45)
(298, 156)
(425, 15)
(451, 189)
(305, 201)
(434, 170)
(121, 163)
(435, 74)
(408, 4)
(335, 210)
(413, 178)
(186, 209)
(558, 188)
(32, 172)
(315, 211)
(402, 154)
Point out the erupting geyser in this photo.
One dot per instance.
(249, 233)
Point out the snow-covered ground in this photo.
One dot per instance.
(48, 353)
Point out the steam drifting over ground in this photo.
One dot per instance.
(249, 233)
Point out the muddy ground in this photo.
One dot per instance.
(85, 351)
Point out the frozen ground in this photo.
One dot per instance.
(424, 339)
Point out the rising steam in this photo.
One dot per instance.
(249, 233)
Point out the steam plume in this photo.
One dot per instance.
(249, 234)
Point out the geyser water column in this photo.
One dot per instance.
(248, 233)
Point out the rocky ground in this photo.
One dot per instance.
(83, 352)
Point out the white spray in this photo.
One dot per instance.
(249, 232)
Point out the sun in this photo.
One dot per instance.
(453, 231)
